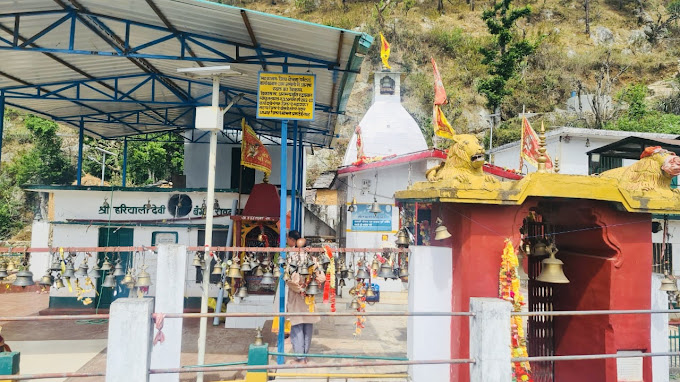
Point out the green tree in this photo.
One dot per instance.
(505, 53)
(149, 162)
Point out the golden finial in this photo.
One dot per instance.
(541, 150)
(265, 179)
(557, 165)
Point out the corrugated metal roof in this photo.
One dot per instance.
(114, 64)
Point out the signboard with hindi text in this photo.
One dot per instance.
(363, 219)
(285, 96)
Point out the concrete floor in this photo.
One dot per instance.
(80, 345)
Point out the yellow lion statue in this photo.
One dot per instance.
(464, 166)
(653, 172)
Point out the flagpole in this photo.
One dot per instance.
(521, 141)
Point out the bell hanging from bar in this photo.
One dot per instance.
(551, 271)
(217, 269)
(68, 272)
(277, 273)
(106, 265)
(56, 265)
(403, 272)
(253, 263)
(375, 207)
(540, 249)
(325, 259)
(312, 288)
(375, 265)
(128, 279)
(144, 279)
(350, 272)
(668, 284)
(267, 279)
(226, 286)
(386, 271)
(234, 271)
(402, 239)
(95, 267)
(343, 267)
(10, 266)
(47, 279)
(354, 304)
(370, 292)
(24, 279)
(118, 270)
(441, 232)
(353, 206)
(245, 267)
(341, 282)
(109, 281)
(362, 274)
(259, 272)
(196, 261)
(242, 292)
(94, 274)
(59, 283)
(82, 270)
(303, 270)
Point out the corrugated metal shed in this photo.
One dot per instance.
(112, 65)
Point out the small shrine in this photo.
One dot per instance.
(584, 244)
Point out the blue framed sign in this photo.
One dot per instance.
(286, 96)
(362, 219)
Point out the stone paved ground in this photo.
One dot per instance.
(383, 336)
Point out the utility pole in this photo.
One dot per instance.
(492, 123)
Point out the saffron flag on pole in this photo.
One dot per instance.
(360, 146)
(384, 51)
(253, 152)
(439, 91)
(442, 127)
(529, 146)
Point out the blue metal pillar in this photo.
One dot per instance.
(2, 119)
(124, 161)
(80, 150)
(293, 178)
(300, 186)
(282, 234)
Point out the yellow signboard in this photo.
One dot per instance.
(285, 96)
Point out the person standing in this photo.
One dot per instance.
(302, 327)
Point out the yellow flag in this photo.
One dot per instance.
(384, 51)
(441, 125)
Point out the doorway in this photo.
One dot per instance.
(113, 237)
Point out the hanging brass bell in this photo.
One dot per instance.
(277, 273)
(144, 278)
(341, 282)
(370, 292)
(242, 292)
(217, 269)
(354, 304)
(226, 286)
(82, 270)
(551, 271)
(106, 265)
(95, 267)
(253, 263)
(286, 276)
(441, 232)
(403, 272)
(350, 272)
(128, 279)
(56, 265)
(234, 271)
(196, 261)
(353, 206)
(375, 207)
(10, 267)
(386, 271)
(362, 274)
(668, 284)
(258, 337)
(303, 270)
(402, 239)
(325, 259)
(24, 279)
(267, 278)
(540, 249)
(312, 288)
(59, 283)
(94, 274)
(47, 279)
(260, 238)
(246, 267)
(68, 272)
(109, 281)
(258, 271)
(375, 265)
(343, 267)
(118, 270)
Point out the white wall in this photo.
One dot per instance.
(659, 331)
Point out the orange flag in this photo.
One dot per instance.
(529, 145)
(360, 146)
(439, 91)
(384, 51)
(253, 152)
(441, 125)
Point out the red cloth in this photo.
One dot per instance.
(439, 91)
(158, 319)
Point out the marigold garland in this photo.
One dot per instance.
(508, 289)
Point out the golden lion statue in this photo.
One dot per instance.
(463, 166)
(653, 172)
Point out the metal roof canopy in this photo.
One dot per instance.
(111, 67)
(632, 147)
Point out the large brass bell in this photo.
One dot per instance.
(59, 283)
(106, 265)
(46, 280)
(668, 284)
(242, 292)
(267, 278)
(68, 271)
(375, 207)
(144, 279)
(82, 270)
(312, 288)
(386, 271)
(551, 271)
(24, 279)
(354, 304)
(362, 274)
(234, 271)
(118, 270)
(109, 281)
(402, 239)
(217, 269)
(441, 232)
(196, 261)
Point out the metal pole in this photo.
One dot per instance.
(103, 167)
(80, 150)
(203, 327)
(2, 119)
(125, 142)
(220, 293)
(293, 178)
(300, 187)
(282, 234)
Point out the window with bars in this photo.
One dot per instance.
(664, 265)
